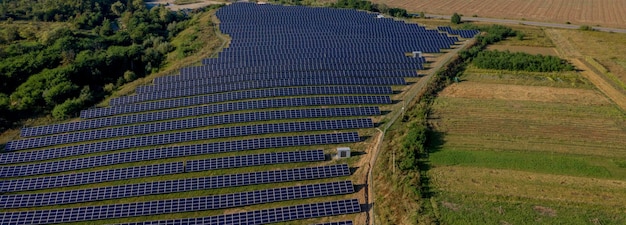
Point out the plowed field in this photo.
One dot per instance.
(609, 13)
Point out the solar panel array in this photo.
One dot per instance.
(159, 169)
(204, 77)
(254, 84)
(165, 152)
(265, 216)
(91, 177)
(173, 186)
(186, 123)
(462, 33)
(233, 106)
(184, 136)
(178, 205)
(232, 96)
(278, 57)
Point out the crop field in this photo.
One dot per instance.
(607, 13)
(527, 148)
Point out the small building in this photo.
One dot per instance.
(343, 152)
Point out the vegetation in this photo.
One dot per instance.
(455, 19)
(520, 61)
(99, 46)
(369, 6)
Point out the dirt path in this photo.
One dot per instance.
(568, 51)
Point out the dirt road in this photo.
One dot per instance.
(170, 4)
(568, 51)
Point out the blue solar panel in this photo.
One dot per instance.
(273, 215)
(173, 186)
(159, 169)
(184, 124)
(233, 106)
(180, 205)
(184, 136)
(337, 223)
(166, 152)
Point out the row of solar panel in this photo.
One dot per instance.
(173, 186)
(254, 84)
(266, 216)
(145, 128)
(248, 62)
(159, 169)
(304, 67)
(229, 106)
(89, 213)
(282, 75)
(462, 33)
(349, 222)
(177, 137)
(184, 136)
(176, 151)
(270, 58)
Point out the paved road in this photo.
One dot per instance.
(525, 22)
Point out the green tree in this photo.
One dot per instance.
(422, 15)
(456, 18)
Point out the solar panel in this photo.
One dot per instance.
(173, 186)
(160, 169)
(175, 151)
(236, 106)
(231, 96)
(273, 215)
(91, 177)
(184, 136)
(185, 123)
(179, 205)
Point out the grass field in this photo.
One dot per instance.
(607, 13)
(527, 148)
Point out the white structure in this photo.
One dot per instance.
(417, 54)
(343, 152)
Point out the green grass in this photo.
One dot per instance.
(524, 161)
(481, 209)
(186, 2)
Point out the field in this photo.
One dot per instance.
(528, 148)
(609, 13)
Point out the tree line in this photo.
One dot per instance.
(101, 45)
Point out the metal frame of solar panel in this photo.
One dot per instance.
(180, 205)
(160, 169)
(281, 75)
(190, 123)
(178, 151)
(135, 107)
(273, 215)
(174, 186)
(188, 150)
(233, 106)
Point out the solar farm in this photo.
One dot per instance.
(248, 137)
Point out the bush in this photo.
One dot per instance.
(456, 18)
(519, 61)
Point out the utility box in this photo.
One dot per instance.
(417, 54)
(343, 152)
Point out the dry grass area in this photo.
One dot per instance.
(526, 49)
(608, 13)
(517, 154)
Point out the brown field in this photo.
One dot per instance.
(526, 49)
(608, 13)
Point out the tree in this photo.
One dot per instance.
(422, 15)
(456, 18)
